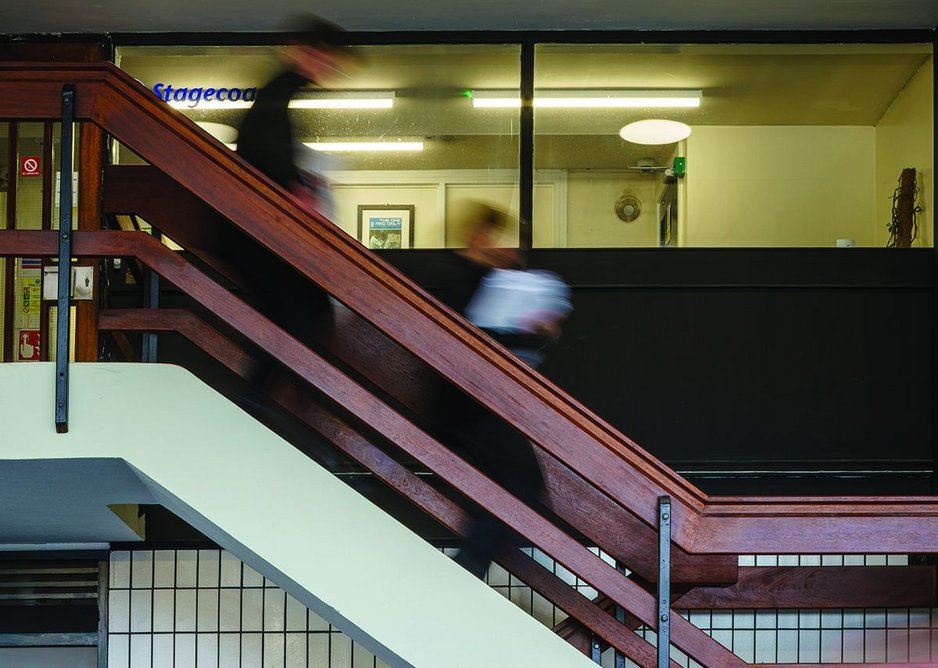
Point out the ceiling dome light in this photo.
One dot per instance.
(655, 132)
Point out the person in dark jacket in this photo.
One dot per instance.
(470, 430)
(266, 140)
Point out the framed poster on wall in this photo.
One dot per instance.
(386, 225)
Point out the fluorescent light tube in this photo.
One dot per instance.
(353, 99)
(339, 146)
(590, 99)
(382, 99)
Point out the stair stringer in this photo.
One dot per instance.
(278, 511)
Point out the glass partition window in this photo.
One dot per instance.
(789, 145)
(397, 136)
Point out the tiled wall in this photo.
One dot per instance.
(204, 608)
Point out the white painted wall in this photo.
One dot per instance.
(276, 510)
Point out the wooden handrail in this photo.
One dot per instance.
(358, 402)
(145, 191)
(370, 287)
(553, 420)
(395, 475)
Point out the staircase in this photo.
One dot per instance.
(601, 484)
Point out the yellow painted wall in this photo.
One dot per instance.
(424, 198)
(904, 138)
(780, 186)
(591, 217)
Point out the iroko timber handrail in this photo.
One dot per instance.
(166, 139)
(392, 473)
(469, 359)
(142, 190)
(360, 403)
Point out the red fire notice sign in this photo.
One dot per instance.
(29, 165)
(29, 345)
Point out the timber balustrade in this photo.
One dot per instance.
(365, 407)
(589, 453)
(414, 320)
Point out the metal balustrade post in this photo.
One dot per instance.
(664, 581)
(63, 312)
(151, 299)
(620, 617)
(595, 650)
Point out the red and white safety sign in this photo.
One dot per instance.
(29, 165)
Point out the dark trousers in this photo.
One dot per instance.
(504, 455)
(278, 291)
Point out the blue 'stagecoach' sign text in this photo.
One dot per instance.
(193, 95)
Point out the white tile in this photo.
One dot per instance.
(744, 619)
(788, 560)
(318, 647)
(831, 646)
(296, 616)
(765, 646)
(118, 651)
(251, 577)
(230, 610)
(854, 619)
(230, 570)
(809, 560)
(919, 645)
(208, 572)
(341, 654)
(185, 650)
(744, 645)
(787, 646)
(118, 613)
(252, 610)
(766, 619)
(185, 610)
(229, 651)
(362, 658)
(141, 569)
(809, 619)
(832, 560)
(875, 644)
(119, 577)
(854, 640)
(897, 619)
(832, 619)
(919, 617)
(296, 650)
(876, 560)
(721, 619)
(875, 618)
(897, 560)
(186, 562)
(766, 560)
(140, 655)
(854, 560)
(207, 650)
(163, 650)
(788, 619)
(317, 623)
(274, 610)
(809, 646)
(164, 568)
(747, 560)
(140, 610)
(207, 601)
(274, 650)
(897, 645)
(251, 647)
